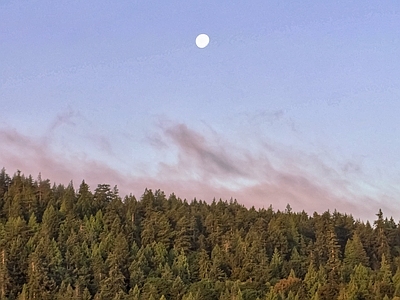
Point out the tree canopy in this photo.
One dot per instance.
(58, 242)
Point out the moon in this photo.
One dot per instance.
(202, 40)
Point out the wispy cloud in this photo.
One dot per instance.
(65, 117)
(276, 175)
(209, 166)
(196, 151)
(102, 143)
(33, 155)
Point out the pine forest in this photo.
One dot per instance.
(67, 242)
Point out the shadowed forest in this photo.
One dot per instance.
(62, 242)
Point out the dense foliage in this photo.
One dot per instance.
(60, 243)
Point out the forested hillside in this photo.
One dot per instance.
(66, 242)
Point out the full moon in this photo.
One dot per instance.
(202, 40)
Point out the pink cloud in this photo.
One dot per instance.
(34, 156)
(301, 179)
(206, 168)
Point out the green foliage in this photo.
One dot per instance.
(354, 255)
(58, 243)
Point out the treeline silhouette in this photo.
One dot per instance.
(58, 242)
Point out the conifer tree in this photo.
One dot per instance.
(381, 242)
(24, 293)
(4, 274)
(178, 288)
(84, 204)
(189, 297)
(183, 239)
(181, 266)
(272, 295)
(134, 293)
(358, 287)
(354, 254)
(384, 284)
(204, 264)
(14, 241)
(276, 266)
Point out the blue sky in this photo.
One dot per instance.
(291, 102)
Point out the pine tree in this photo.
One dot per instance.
(50, 222)
(14, 241)
(354, 255)
(276, 266)
(204, 264)
(384, 284)
(5, 182)
(4, 274)
(84, 205)
(68, 201)
(134, 293)
(272, 295)
(181, 266)
(217, 272)
(156, 227)
(382, 245)
(160, 256)
(183, 234)
(189, 297)
(178, 289)
(98, 269)
(358, 287)
(314, 280)
(86, 294)
(24, 293)
(139, 269)
(45, 270)
(296, 262)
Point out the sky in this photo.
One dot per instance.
(292, 102)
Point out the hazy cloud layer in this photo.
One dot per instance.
(196, 151)
(301, 179)
(206, 167)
